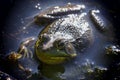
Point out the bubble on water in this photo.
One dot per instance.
(22, 20)
(24, 27)
(8, 78)
(37, 6)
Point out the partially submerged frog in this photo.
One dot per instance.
(68, 31)
(57, 41)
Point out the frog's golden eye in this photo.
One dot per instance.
(59, 44)
(70, 49)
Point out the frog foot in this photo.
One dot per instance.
(13, 56)
(24, 51)
(24, 48)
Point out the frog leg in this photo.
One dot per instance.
(25, 46)
(27, 52)
(24, 50)
(14, 56)
(112, 50)
(57, 12)
(99, 21)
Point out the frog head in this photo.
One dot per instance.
(54, 51)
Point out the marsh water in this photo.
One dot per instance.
(20, 26)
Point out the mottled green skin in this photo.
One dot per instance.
(73, 29)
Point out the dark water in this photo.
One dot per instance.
(16, 13)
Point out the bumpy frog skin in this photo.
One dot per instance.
(69, 30)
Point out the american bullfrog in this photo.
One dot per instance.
(69, 31)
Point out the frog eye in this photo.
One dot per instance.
(59, 44)
(70, 49)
